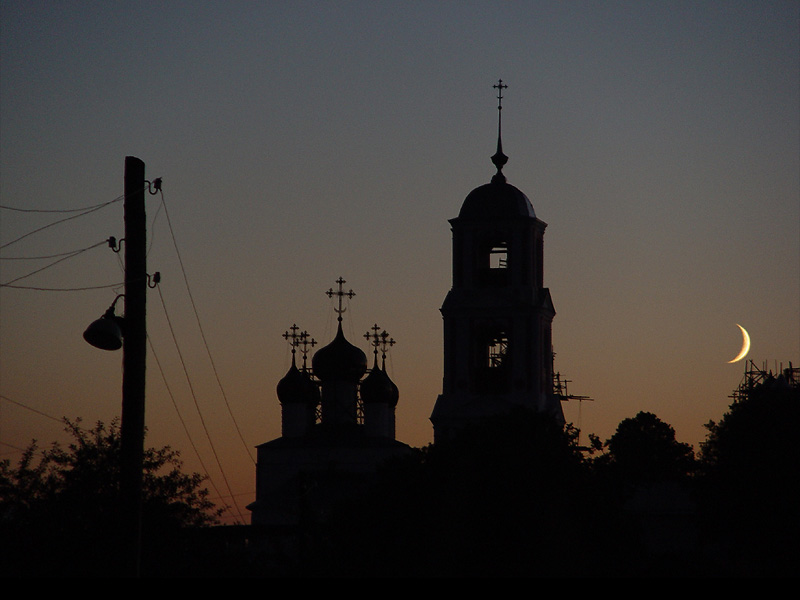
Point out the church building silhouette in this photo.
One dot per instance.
(338, 425)
(498, 316)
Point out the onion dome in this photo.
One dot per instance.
(339, 361)
(377, 387)
(296, 386)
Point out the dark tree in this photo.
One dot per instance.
(644, 449)
(509, 497)
(751, 479)
(647, 473)
(59, 515)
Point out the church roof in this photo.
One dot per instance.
(497, 199)
(296, 386)
(339, 361)
(378, 387)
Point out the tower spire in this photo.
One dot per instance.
(499, 159)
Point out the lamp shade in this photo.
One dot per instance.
(105, 333)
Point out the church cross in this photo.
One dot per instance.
(293, 338)
(305, 342)
(380, 340)
(386, 343)
(341, 294)
(499, 159)
(300, 340)
(373, 338)
(500, 86)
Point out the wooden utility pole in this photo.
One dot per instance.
(134, 349)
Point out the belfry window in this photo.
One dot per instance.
(492, 266)
(491, 375)
(498, 256)
(497, 351)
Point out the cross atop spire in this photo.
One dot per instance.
(341, 294)
(374, 339)
(499, 159)
(293, 338)
(380, 340)
(500, 86)
(307, 342)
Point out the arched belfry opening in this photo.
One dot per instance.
(498, 315)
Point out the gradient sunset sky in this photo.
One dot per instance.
(300, 142)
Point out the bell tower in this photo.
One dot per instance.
(498, 314)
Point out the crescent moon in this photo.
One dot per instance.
(745, 345)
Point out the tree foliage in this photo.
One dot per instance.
(751, 479)
(61, 505)
(644, 449)
(509, 497)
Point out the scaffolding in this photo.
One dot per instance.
(755, 376)
(561, 392)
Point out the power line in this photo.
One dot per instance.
(194, 397)
(58, 210)
(75, 289)
(52, 264)
(26, 407)
(183, 423)
(81, 214)
(44, 257)
(200, 327)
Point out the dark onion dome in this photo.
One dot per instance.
(497, 199)
(378, 387)
(395, 390)
(296, 386)
(339, 361)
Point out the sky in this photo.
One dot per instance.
(300, 142)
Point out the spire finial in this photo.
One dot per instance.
(380, 340)
(292, 338)
(499, 159)
(300, 340)
(305, 341)
(374, 340)
(341, 294)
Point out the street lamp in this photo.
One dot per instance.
(130, 333)
(106, 332)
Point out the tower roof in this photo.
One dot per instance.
(497, 199)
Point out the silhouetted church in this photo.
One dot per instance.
(498, 315)
(338, 426)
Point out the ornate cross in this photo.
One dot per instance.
(373, 339)
(499, 159)
(382, 340)
(500, 87)
(340, 294)
(293, 338)
(305, 341)
(296, 340)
